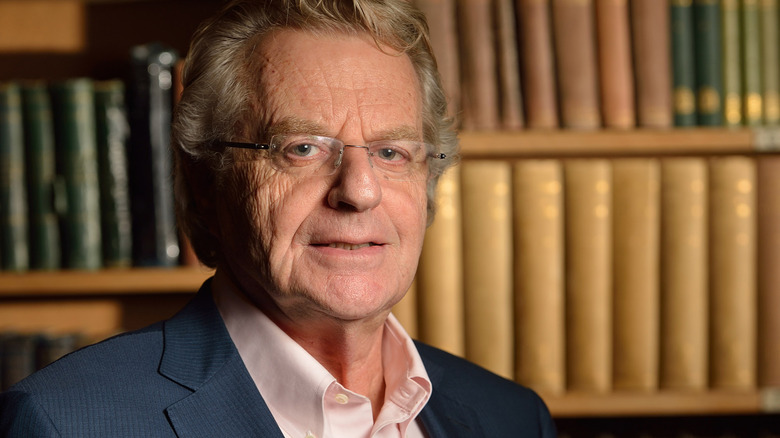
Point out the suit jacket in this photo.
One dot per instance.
(184, 377)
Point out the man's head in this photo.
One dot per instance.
(358, 72)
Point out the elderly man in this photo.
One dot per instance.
(308, 140)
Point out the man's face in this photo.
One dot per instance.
(343, 246)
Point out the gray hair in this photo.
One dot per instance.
(219, 94)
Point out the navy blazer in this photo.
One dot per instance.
(184, 378)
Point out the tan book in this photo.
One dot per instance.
(733, 273)
(616, 72)
(537, 64)
(768, 204)
(636, 243)
(574, 35)
(442, 24)
(479, 93)
(540, 341)
(684, 281)
(406, 311)
(651, 48)
(439, 280)
(487, 264)
(510, 96)
(588, 228)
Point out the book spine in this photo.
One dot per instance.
(487, 267)
(537, 63)
(768, 204)
(684, 274)
(616, 71)
(540, 341)
(709, 62)
(770, 61)
(732, 63)
(588, 231)
(479, 93)
(733, 273)
(510, 96)
(41, 176)
(440, 297)
(112, 130)
(683, 65)
(652, 62)
(753, 105)
(14, 247)
(577, 67)
(636, 250)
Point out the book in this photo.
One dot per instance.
(540, 341)
(684, 340)
(770, 61)
(588, 248)
(155, 240)
(40, 159)
(616, 70)
(574, 37)
(439, 281)
(14, 247)
(651, 49)
(479, 94)
(636, 273)
(768, 276)
(73, 109)
(733, 273)
(112, 130)
(18, 359)
(731, 19)
(487, 264)
(753, 105)
(683, 65)
(509, 91)
(537, 64)
(709, 62)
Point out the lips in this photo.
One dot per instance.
(348, 246)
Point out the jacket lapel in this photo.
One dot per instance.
(200, 355)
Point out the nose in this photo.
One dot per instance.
(356, 186)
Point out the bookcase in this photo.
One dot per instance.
(55, 39)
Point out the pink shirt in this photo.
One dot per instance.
(304, 398)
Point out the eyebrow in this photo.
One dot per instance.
(296, 125)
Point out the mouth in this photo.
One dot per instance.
(347, 246)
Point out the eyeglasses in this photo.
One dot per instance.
(315, 155)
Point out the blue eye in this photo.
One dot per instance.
(303, 149)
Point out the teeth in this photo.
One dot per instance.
(348, 246)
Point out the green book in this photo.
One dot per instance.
(709, 62)
(753, 106)
(112, 130)
(74, 122)
(14, 249)
(40, 159)
(732, 63)
(770, 61)
(683, 66)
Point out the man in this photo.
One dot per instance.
(309, 140)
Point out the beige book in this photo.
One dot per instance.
(684, 281)
(537, 63)
(487, 264)
(733, 273)
(510, 96)
(616, 70)
(540, 341)
(588, 225)
(636, 230)
(768, 176)
(479, 92)
(439, 280)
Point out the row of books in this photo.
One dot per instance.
(607, 274)
(85, 169)
(732, 426)
(21, 354)
(616, 64)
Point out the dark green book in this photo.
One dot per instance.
(709, 62)
(112, 130)
(74, 122)
(753, 107)
(14, 249)
(732, 63)
(770, 61)
(41, 176)
(683, 66)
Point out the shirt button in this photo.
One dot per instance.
(342, 399)
(310, 435)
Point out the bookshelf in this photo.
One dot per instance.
(92, 37)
